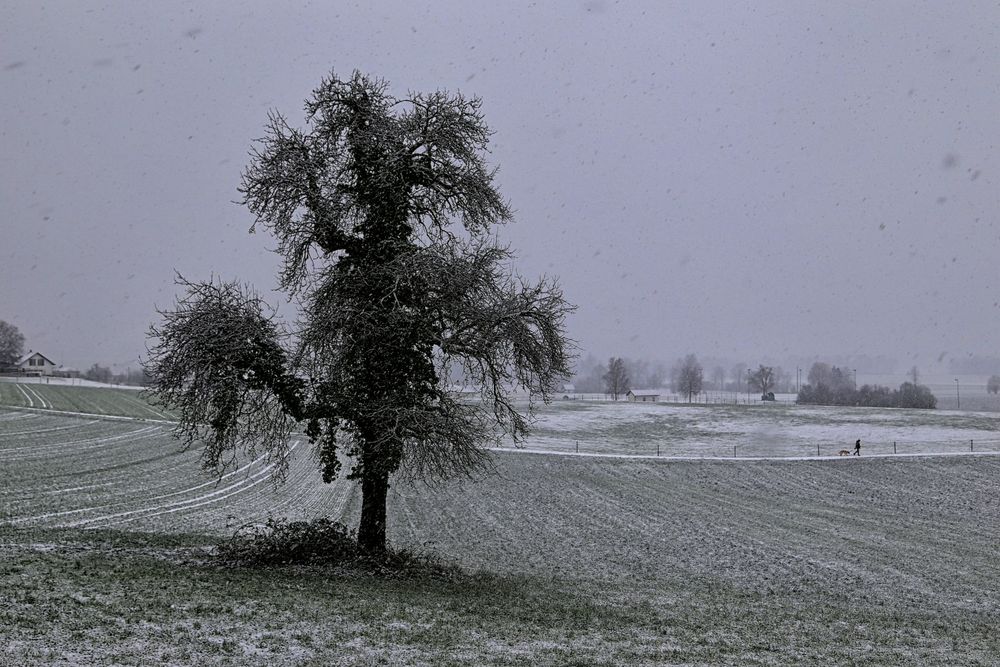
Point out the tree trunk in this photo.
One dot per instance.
(371, 530)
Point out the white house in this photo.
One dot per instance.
(642, 396)
(35, 363)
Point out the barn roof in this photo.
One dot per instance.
(644, 392)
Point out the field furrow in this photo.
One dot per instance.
(711, 550)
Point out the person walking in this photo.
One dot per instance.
(857, 447)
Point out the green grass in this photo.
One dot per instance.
(89, 400)
(564, 560)
(112, 599)
(117, 599)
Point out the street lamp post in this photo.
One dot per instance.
(958, 395)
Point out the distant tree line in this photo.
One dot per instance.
(591, 376)
(11, 344)
(616, 382)
(132, 376)
(830, 385)
(686, 376)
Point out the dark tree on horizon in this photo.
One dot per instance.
(616, 380)
(384, 211)
(689, 376)
(763, 379)
(11, 343)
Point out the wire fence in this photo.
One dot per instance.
(704, 398)
(798, 449)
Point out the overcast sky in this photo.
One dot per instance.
(734, 180)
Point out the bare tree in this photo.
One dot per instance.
(820, 373)
(689, 376)
(365, 204)
(11, 343)
(739, 376)
(993, 384)
(719, 377)
(783, 380)
(98, 373)
(914, 375)
(616, 379)
(657, 375)
(763, 380)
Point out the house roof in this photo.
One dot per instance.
(33, 354)
(644, 392)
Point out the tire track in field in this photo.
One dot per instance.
(27, 452)
(30, 394)
(115, 460)
(103, 416)
(51, 429)
(14, 415)
(31, 403)
(134, 401)
(302, 495)
(79, 510)
(249, 481)
(116, 466)
(41, 399)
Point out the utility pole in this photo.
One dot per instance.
(958, 395)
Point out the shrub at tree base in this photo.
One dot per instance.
(322, 542)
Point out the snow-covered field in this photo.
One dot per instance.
(72, 398)
(756, 430)
(589, 560)
(65, 382)
(90, 472)
(62, 471)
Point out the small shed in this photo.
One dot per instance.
(642, 396)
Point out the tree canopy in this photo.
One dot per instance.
(763, 380)
(384, 211)
(616, 380)
(11, 343)
(688, 376)
(830, 385)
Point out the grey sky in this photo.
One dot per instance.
(740, 181)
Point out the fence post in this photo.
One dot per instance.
(893, 446)
(657, 449)
(577, 446)
(817, 449)
(734, 451)
(972, 446)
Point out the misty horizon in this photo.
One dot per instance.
(757, 184)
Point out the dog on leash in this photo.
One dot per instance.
(843, 452)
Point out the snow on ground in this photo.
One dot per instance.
(756, 431)
(74, 382)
